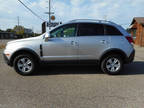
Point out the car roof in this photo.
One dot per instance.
(92, 21)
(87, 21)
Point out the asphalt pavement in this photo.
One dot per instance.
(73, 87)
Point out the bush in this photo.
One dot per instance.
(2, 46)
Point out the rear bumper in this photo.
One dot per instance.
(7, 61)
(130, 59)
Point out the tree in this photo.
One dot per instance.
(9, 30)
(1, 30)
(19, 30)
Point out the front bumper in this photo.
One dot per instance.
(7, 61)
(130, 59)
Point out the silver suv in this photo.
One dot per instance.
(76, 42)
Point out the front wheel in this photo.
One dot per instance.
(24, 64)
(112, 64)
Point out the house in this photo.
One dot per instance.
(28, 31)
(137, 30)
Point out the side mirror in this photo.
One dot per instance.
(47, 36)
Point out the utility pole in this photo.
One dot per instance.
(18, 24)
(49, 13)
(18, 20)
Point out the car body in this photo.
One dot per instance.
(78, 41)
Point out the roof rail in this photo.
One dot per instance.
(92, 20)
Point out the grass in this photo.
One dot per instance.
(2, 46)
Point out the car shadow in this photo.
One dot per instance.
(134, 68)
(67, 69)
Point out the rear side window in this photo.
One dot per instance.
(110, 30)
(89, 29)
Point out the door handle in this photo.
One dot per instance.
(76, 43)
(72, 42)
(103, 41)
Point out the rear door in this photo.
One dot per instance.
(92, 41)
(118, 39)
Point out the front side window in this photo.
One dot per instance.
(110, 30)
(90, 29)
(64, 31)
(56, 33)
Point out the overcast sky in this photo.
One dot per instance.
(119, 11)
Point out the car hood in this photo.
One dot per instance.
(26, 39)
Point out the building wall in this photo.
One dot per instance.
(139, 35)
(142, 41)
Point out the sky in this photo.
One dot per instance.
(119, 11)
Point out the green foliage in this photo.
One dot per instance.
(2, 46)
(1, 30)
(19, 30)
(69, 32)
(10, 30)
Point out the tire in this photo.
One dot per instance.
(25, 64)
(112, 64)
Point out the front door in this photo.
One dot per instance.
(62, 44)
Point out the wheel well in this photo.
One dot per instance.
(118, 52)
(25, 51)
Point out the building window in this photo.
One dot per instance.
(134, 34)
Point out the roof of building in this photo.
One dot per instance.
(138, 19)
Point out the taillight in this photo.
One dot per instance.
(130, 39)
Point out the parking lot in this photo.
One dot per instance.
(73, 87)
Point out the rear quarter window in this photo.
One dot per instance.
(111, 30)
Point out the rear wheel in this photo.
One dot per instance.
(112, 64)
(24, 64)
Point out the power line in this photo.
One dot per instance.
(31, 10)
(28, 2)
(40, 10)
(34, 8)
